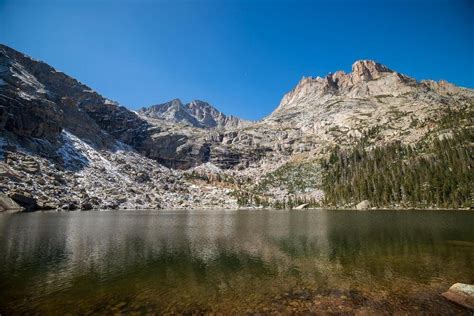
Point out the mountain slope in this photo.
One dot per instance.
(373, 107)
(62, 145)
(373, 134)
(38, 102)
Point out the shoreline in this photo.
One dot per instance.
(245, 209)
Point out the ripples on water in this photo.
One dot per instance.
(233, 261)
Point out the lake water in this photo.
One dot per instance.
(234, 261)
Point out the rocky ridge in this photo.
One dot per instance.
(65, 146)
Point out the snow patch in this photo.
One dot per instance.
(119, 146)
(77, 153)
(72, 152)
(80, 156)
(20, 72)
(110, 102)
(25, 96)
(27, 79)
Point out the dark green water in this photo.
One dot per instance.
(233, 261)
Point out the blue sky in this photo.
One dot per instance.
(241, 56)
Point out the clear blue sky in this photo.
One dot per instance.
(241, 56)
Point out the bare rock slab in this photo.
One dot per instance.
(462, 294)
(7, 204)
(301, 207)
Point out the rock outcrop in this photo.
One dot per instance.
(7, 204)
(462, 294)
(364, 205)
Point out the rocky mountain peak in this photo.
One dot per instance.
(173, 111)
(176, 102)
(201, 107)
(368, 78)
(365, 70)
(196, 113)
(205, 113)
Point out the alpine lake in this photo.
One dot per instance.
(234, 262)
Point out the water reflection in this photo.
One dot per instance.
(224, 260)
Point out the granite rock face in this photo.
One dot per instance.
(7, 204)
(38, 102)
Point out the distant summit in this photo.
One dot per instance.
(196, 113)
(368, 78)
(364, 70)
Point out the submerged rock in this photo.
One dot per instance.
(462, 294)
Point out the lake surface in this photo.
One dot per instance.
(234, 261)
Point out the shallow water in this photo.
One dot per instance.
(234, 261)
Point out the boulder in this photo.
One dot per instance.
(28, 202)
(50, 205)
(7, 204)
(364, 205)
(302, 206)
(462, 294)
(86, 206)
(8, 173)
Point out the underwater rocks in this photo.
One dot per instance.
(462, 294)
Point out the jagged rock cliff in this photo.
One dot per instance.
(38, 102)
(64, 145)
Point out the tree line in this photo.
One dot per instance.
(434, 174)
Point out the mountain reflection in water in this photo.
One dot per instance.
(233, 261)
